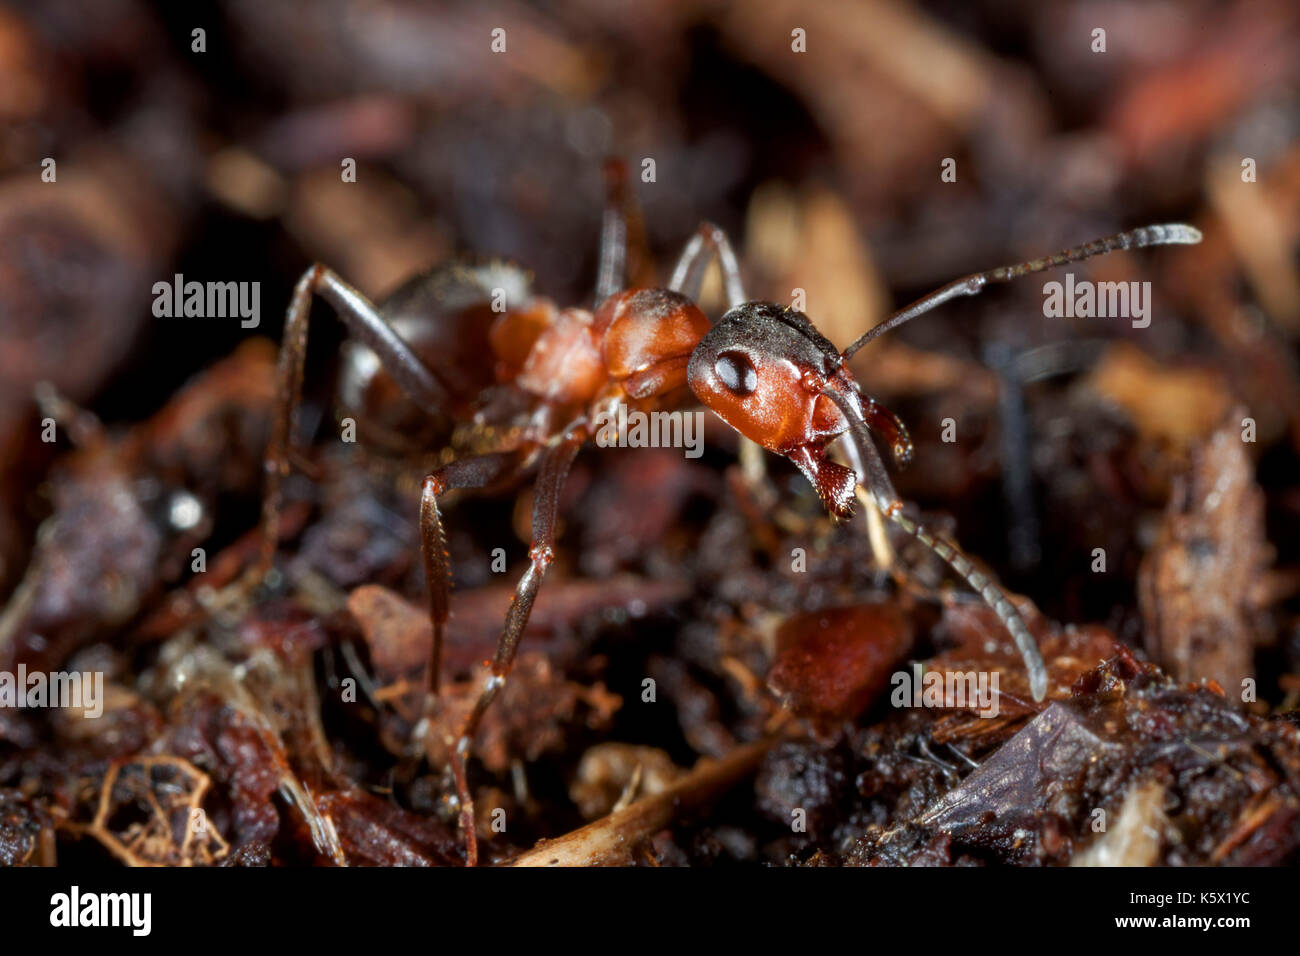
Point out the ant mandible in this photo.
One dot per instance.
(517, 390)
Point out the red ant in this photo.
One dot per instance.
(516, 389)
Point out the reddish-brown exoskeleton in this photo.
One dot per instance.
(517, 390)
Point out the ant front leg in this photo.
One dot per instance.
(881, 548)
(880, 421)
(556, 461)
(366, 325)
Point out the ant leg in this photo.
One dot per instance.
(474, 472)
(556, 461)
(688, 276)
(622, 235)
(365, 324)
(880, 421)
(1165, 235)
(887, 499)
(881, 548)
(478, 471)
(613, 233)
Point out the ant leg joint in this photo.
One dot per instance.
(890, 507)
(542, 555)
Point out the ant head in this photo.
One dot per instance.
(764, 369)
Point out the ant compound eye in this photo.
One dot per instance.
(736, 372)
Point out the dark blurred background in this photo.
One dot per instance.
(824, 165)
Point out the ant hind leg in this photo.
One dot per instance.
(365, 324)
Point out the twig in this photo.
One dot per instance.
(611, 840)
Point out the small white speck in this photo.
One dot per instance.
(185, 511)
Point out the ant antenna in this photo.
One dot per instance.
(1162, 235)
(876, 480)
(990, 594)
